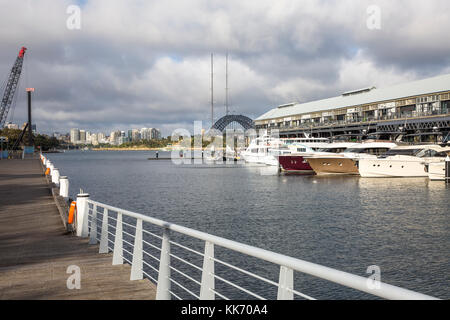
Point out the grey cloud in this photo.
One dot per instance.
(146, 63)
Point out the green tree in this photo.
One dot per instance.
(40, 140)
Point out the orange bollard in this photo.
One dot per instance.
(72, 209)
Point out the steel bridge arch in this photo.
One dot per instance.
(223, 122)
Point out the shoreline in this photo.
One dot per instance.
(143, 149)
(126, 149)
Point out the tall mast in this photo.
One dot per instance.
(226, 85)
(212, 90)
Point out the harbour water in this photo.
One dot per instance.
(348, 223)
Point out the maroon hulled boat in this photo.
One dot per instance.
(295, 164)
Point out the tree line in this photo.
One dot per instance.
(39, 140)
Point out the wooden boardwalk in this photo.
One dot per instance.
(35, 249)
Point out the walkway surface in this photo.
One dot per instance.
(36, 250)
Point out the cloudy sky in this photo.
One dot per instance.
(146, 63)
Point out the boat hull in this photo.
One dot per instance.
(382, 168)
(436, 171)
(327, 166)
(295, 164)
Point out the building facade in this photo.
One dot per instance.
(74, 135)
(418, 110)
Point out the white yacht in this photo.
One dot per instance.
(270, 149)
(408, 161)
(259, 149)
(436, 171)
(347, 161)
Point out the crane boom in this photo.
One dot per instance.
(11, 87)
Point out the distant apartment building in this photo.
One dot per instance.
(94, 139)
(114, 137)
(101, 138)
(11, 125)
(145, 134)
(82, 136)
(75, 135)
(155, 134)
(88, 137)
(33, 127)
(135, 135)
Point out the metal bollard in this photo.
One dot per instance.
(64, 187)
(55, 176)
(447, 169)
(82, 215)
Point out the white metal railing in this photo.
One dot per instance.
(89, 223)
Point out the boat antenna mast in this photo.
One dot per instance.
(226, 84)
(212, 90)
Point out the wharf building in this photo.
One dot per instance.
(417, 111)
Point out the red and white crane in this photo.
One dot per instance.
(11, 86)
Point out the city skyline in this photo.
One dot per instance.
(115, 137)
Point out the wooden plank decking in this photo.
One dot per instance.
(35, 249)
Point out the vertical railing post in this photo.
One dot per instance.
(104, 236)
(286, 284)
(118, 243)
(82, 215)
(136, 265)
(55, 176)
(64, 187)
(93, 231)
(162, 290)
(208, 283)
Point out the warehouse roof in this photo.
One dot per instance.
(364, 96)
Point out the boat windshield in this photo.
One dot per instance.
(355, 150)
(372, 151)
(429, 153)
(401, 152)
(333, 150)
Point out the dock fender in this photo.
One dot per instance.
(72, 210)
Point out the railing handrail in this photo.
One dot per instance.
(386, 291)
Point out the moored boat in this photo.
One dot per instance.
(266, 149)
(347, 162)
(410, 161)
(296, 163)
(436, 171)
